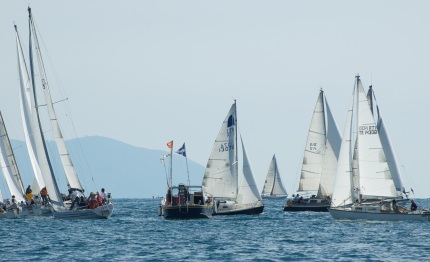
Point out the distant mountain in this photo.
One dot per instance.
(124, 170)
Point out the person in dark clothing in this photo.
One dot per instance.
(28, 190)
(413, 205)
(168, 196)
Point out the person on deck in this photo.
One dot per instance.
(44, 194)
(296, 198)
(395, 206)
(75, 197)
(28, 190)
(413, 205)
(168, 197)
(104, 196)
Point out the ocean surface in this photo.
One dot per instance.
(135, 232)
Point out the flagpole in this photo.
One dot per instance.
(188, 173)
(171, 164)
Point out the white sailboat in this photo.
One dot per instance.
(35, 139)
(367, 185)
(12, 176)
(319, 165)
(233, 192)
(273, 185)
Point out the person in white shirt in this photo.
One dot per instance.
(104, 196)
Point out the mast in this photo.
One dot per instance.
(355, 148)
(235, 148)
(171, 164)
(71, 175)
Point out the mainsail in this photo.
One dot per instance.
(321, 151)
(221, 175)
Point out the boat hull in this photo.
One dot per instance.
(101, 212)
(347, 214)
(307, 207)
(10, 214)
(186, 212)
(243, 211)
(309, 204)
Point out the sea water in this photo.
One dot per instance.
(135, 232)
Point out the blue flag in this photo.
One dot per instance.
(181, 151)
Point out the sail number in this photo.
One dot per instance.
(226, 147)
(368, 130)
(313, 146)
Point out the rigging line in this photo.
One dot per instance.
(67, 109)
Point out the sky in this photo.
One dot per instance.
(147, 72)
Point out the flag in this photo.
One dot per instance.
(181, 151)
(170, 144)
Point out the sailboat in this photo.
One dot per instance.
(318, 170)
(6, 210)
(12, 175)
(273, 185)
(368, 183)
(35, 139)
(183, 201)
(232, 192)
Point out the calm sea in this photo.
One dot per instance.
(136, 233)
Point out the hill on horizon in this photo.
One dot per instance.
(124, 170)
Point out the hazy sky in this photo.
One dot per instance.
(147, 72)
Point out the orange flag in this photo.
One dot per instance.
(170, 144)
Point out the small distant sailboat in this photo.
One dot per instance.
(221, 180)
(183, 202)
(273, 186)
(368, 183)
(318, 170)
(35, 139)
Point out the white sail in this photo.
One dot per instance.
(386, 145)
(221, 174)
(363, 170)
(273, 186)
(374, 175)
(248, 191)
(342, 193)
(72, 177)
(29, 117)
(270, 178)
(332, 143)
(8, 164)
(35, 141)
(314, 150)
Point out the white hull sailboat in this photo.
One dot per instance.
(368, 183)
(319, 165)
(9, 213)
(232, 192)
(273, 186)
(35, 138)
